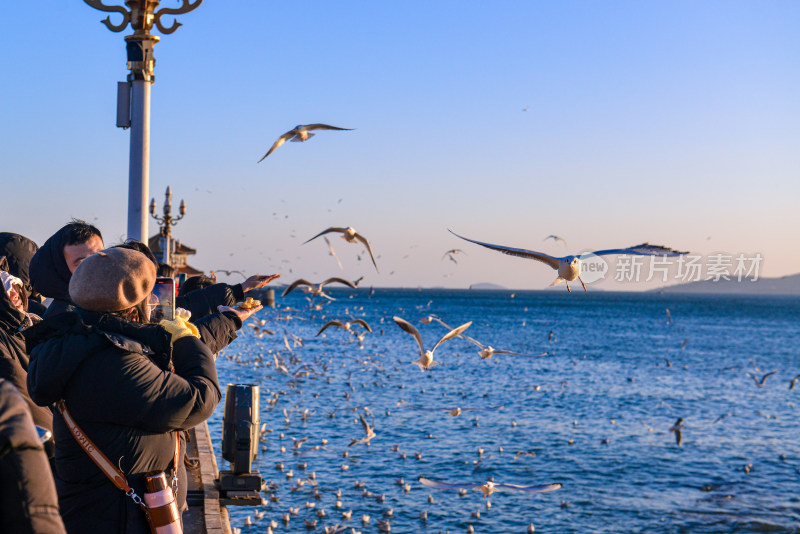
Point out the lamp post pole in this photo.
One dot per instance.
(133, 104)
(167, 222)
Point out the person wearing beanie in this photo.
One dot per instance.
(217, 329)
(52, 266)
(128, 385)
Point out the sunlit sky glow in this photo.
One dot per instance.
(669, 122)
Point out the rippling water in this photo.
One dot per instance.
(596, 411)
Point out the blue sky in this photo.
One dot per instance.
(669, 122)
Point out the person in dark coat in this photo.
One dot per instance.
(129, 386)
(28, 500)
(13, 356)
(19, 250)
(52, 266)
(218, 329)
(202, 299)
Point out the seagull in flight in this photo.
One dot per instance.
(332, 253)
(300, 133)
(227, 272)
(676, 428)
(556, 238)
(489, 487)
(485, 351)
(425, 361)
(350, 235)
(368, 431)
(569, 267)
(760, 381)
(346, 326)
(451, 253)
(316, 290)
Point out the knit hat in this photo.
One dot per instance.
(112, 280)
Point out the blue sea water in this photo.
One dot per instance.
(595, 411)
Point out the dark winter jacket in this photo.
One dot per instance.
(50, 275)
(202, 302)
(115, 380)
(14, 358)
(19, 250)
(218, 330)
(28, 501)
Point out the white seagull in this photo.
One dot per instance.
(569, 267)
(299, 133)
(485, 351)
(316, 290)
(332, 253)
(350, 235)
(425, 361)
(489, 487)
(556, 238)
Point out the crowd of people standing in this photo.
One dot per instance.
(78, 350)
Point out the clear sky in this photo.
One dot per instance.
(673, 122)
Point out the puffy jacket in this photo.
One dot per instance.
(14, 358)
(115, 379)
(28, 501)
(202, 302)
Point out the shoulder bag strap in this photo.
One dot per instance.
(109, 469)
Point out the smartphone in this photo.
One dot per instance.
(164, 299)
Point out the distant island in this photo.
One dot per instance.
(785, 285)
(487, 285)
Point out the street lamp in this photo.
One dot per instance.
(133, 96)
(167, 221)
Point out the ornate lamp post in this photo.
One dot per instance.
(167, 222)
(134, 95)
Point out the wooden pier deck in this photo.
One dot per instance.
(205, 515)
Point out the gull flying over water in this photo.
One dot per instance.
(368, 431)
(350, 235)
(451, 253)
(346, 326)
(332, 253)
(489, 487)
(676, 428)
(569, 267)
(300, 133)
(485, 351)
(425, 361)
(316, 290)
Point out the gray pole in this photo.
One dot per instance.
(141, 15)
(141, 63)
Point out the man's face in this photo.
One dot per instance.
(75, 254)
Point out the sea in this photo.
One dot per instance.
(594, 413)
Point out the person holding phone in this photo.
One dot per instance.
(128, 384)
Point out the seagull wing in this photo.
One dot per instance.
(442, 485)
(519, 252)
(364, 424)
(319, 126)
(348, 283)
(544, 488)
(451, 334)
(329, 230)
(363, 323)
(330, 323)
(366, 244)
(645, 249)
(282, 139)
(408, 327)
(293, 286)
